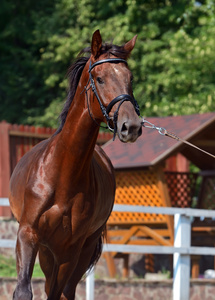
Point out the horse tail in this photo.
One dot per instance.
(98, 250)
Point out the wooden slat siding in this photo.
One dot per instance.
(4, 165)
(24, 138)
(12, 162)
(28, 142)
(22, 152)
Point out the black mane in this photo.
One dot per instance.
(75, 71)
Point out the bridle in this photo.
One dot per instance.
(121, 98)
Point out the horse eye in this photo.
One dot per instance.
(99, 80)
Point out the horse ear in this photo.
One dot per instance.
(96, 44)
(129, 46)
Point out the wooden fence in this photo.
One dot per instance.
(182, 249)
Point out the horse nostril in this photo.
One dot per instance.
(131, 129)
(140, 131)
(124, 129)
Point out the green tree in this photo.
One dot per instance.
(184, 80)
(22, 88)
(172, 63)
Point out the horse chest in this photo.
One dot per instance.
(87, 214)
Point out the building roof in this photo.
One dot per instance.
(152, 148)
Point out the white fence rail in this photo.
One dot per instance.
(4, 202)
(181, 250)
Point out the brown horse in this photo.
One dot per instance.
(62, 191)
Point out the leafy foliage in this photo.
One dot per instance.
(172, 63)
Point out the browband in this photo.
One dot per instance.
(107, 60)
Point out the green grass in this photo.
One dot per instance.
(8, 268)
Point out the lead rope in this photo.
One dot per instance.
(163, 131)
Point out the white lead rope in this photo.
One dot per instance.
(163, 131)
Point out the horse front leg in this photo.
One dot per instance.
(60, 276)
(63, 270)
(89, 254)
(26, 251)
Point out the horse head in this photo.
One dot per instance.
(111, 83)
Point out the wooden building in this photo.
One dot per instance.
(145, 176)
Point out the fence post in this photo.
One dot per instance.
(90, 285)
(182, 238)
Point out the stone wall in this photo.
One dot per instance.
(8, 230)
(109, 289)
(201, 289)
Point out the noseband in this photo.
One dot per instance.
(121, 98)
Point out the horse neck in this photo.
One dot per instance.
(78, 137)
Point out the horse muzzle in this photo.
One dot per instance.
(125, 121)
(128, 130)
